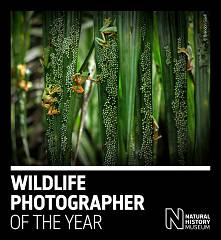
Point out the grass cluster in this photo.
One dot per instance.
(116, 87)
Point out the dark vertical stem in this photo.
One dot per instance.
(202, 94)
(173, 36)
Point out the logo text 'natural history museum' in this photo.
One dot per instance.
(180, 220)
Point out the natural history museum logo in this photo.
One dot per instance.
(178, 219)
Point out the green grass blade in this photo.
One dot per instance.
(144, 92)
(107, 60)
(156, 90)
(191, 94)
(173, 35)
(129, 44)
(61, 38)
(166, 48)
(202, 94)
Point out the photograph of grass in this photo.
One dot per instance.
(110, 88)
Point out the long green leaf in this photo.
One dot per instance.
(173, 37)
(202, 79)
(61, 38)
(107, 60)
(129, 42)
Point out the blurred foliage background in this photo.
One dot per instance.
(158, 64)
